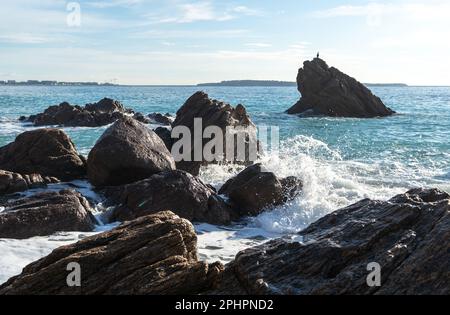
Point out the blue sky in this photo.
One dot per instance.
(194, 41)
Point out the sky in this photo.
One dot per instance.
(196, 41)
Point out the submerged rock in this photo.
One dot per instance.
(155, 254)
(407, 236)
(215, 113)
(48, 152)
(45, 214)
(182, 193)
(329, 92)
(98, 114)
(12, 182)
(127, 152)
(255, 189)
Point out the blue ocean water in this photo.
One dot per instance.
(339, 160)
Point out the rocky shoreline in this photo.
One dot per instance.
(154, 250)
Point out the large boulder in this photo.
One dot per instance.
(12, 182)
(127, 152)
(48, 152)
(45, 214)
(182, 193)
(103, 113)
(256, 189)
(153, 255)
(407, 236)
(216, 113)
(329, 92)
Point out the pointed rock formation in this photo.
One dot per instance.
(329, 92)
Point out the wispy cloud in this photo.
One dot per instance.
(114, 3)
(24, 38)
(202, 11)
(258, 45)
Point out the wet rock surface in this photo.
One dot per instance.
(45, 214)
(156, 254)
(256, 189)
(222, 115)
(181, 192)
(49, 152)
(127, 152)
(408, 236)
(12, 182)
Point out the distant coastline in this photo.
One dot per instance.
(51, 83)
(250, 83)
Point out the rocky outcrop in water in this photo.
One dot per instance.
(48, 152)
(165, 120)
(256, 189)
(215, 113)
(12, 182)
(408, 236)
(182, 193)
(45, 214)
(152, 255)
(127, 152)
(329, 92)
(103, 113)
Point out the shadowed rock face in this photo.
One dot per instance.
(213, 113)
(12, 182)
(329, 92)
(408, 236)
(127, 152)
(184, 194)
(45, 214)
(256, 189)
(103, 113)
(48, 152)
(155, 254)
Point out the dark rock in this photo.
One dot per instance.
(182, 193)
(127, 152)
(22, 118)
(255, 189)
(166, 136)
(329, 92)
(165, 120)
(408, 237)
(141, 118)
(103, 113)
(48, 152)
(44, 214)
(12, 182)
(153, 255)
(215, 113)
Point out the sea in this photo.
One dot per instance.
(340, 160)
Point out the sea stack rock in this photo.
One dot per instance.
(326, 91)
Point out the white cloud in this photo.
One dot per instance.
(23, 38)
(114, 3)
(203, 11)
(258, 45)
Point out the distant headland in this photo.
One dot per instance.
(250, 83)
(52, 83)
(247, 83)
